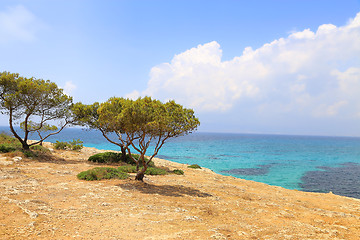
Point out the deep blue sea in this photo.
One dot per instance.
(307, 163)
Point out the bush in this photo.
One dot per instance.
(29, 154)
(106, 157)
(5, 138)
(8, 143)
(195, 166)
(61, 145)
(6, 148)
(178, 172)
(127, 168)
(99, 173)
(74, 145)
(112, 157)
(40, 148)
(155, 171)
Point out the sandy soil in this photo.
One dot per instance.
(45, 200)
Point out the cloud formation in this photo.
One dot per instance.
(18, 23)
(69, 87)
(313, 73)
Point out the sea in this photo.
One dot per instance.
(306, 163)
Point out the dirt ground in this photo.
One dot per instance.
(44, 200)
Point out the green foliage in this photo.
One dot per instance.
(112, 157)
(5, 138)
(39, 128)
(195, 166)
(137, 123)
(11, 144)
(61, 145)
(145, 120)
(40, 148)
(100, 173)
(127, 168)
(30, 154)
(6, 148)
(74, 145)
(26, 99)
(106, 157)
(121, 172)
(8, 143)
(86, 115)
(178, 172)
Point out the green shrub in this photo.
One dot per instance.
(6, 148)
(5, 138)
(30, 154)
(99, 173)
(40, 148)
(9, 143)
(76, 145)
(195, 166)
(127, 168)
(106, 157)
(88, 175)
(155, 171)
(61, 145)
(112, 157)
(178, 172)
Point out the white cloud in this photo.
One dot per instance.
(133, 95)
(18, 23)
(314, 73)
(69, 87)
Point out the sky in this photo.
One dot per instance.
(261, 66)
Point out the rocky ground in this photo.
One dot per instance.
(43, 199)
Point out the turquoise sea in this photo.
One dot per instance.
(307, 163)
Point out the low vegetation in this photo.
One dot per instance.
(127, 166)
(9, 144)
(195, 166)
(121, 172)
(113, 157)
(75, 145)
(100, 173)
(178, 172)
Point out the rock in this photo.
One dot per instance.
(17, 159)
(104, 204)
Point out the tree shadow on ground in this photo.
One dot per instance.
(165, 190)
(48, 158)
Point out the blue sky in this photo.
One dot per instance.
(285, 67)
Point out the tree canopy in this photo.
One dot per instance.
(87, 116)
(37, 105)
(138, 124)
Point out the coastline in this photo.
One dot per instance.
(44, 199)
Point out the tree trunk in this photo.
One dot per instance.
(25, 146)
(123, 153)
(140, 176)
